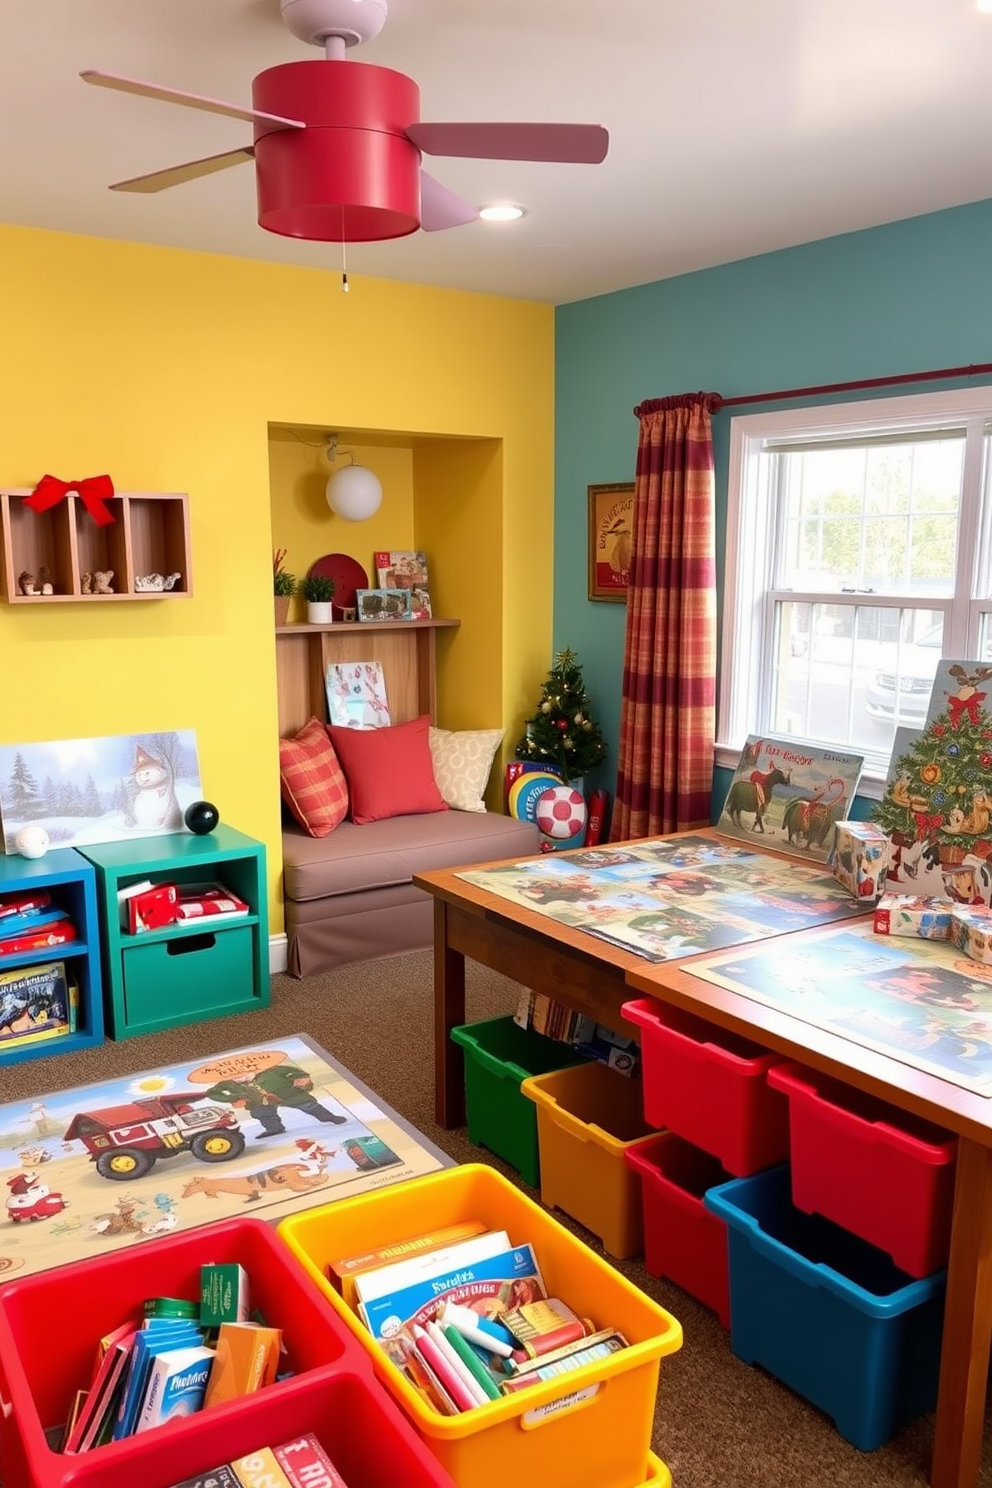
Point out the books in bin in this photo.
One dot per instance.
(31, 923)
(299, 1463)
(406, 570)
(210, 902)
(464, 1273)
(37, 1002)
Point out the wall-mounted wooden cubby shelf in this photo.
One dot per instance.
(149, 535)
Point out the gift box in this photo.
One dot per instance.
(912, 914)
(971, 931)
(153, 908)
(860, 858)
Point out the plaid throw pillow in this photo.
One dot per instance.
(313, 783)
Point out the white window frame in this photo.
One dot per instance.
(744, 679)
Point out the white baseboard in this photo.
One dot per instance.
(278, 953)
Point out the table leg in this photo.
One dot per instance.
(449, 1011)
(964, 1355)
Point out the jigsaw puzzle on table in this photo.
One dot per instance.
(919, 1001)
(264, 1130)
(665, 898)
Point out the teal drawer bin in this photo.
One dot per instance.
(499, 1056)
(188, 976)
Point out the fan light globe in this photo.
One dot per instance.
(314, 21)
(354, 493)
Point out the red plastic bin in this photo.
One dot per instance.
(710, 1087)
(683, 1241)
(881, 1173)
(363, 1432)
(50, 1324)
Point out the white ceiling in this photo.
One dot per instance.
(736, 127)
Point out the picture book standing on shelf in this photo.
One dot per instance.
(406, 570)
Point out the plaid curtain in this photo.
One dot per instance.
(668, 713)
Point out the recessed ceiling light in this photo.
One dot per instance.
(985, 6)
(502, 212)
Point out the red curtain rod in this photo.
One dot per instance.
(980, 368)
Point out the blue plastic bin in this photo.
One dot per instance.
(826, 1313)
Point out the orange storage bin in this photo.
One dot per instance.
(590, 1427)
(587, 1119)
(51, 1322)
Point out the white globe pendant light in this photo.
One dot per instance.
(354, 492)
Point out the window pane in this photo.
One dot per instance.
(847, 674)
(877, 519)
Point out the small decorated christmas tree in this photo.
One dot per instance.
(561, 732)
(940, 789)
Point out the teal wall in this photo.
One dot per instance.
(906, 297)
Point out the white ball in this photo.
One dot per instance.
(561, 812)
(32, 842)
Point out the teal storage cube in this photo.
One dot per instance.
(827, 1313)
(499, 1056)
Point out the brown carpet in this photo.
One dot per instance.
(719, 1423)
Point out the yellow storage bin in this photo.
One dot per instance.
(586, 1118)
(658, 1474)
(592, 1426)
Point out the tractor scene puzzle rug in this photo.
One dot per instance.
(665, 898)
(267, 1130)
(922, 1002)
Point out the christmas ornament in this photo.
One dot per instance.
(32, 842)
(201, 817)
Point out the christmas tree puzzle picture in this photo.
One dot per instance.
(937, 806)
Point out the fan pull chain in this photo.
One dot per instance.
(344, 267)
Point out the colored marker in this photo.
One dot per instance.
(485, 1334)
(433, 1357)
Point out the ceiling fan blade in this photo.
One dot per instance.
(569, 144)
(175, 175)
(188, 100)
(441, 208)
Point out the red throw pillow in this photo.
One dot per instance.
(389, 770)
(313, 783)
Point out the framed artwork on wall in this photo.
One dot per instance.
(99, 790)
(611, 532)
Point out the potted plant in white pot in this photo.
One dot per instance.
(318, 591)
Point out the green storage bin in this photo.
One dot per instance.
(187, 975)
(499, 1056)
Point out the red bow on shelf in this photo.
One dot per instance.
(94, 491)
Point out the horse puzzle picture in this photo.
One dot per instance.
(790, 796)
(265, 1130)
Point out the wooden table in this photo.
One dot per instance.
(592, 977)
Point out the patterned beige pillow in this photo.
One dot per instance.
(462, 761)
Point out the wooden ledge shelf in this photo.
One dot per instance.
(404, 648)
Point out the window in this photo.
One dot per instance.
(857, 556)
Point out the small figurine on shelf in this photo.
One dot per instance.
(42, 585)
(86, 583)
(154, 583)
(101, 581)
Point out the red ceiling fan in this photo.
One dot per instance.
(338, 144)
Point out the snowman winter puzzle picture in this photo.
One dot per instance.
(98, 790)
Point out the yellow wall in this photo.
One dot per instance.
(177, 371)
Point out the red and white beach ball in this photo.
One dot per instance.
(561, 812)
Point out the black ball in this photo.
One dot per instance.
(201, 817)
